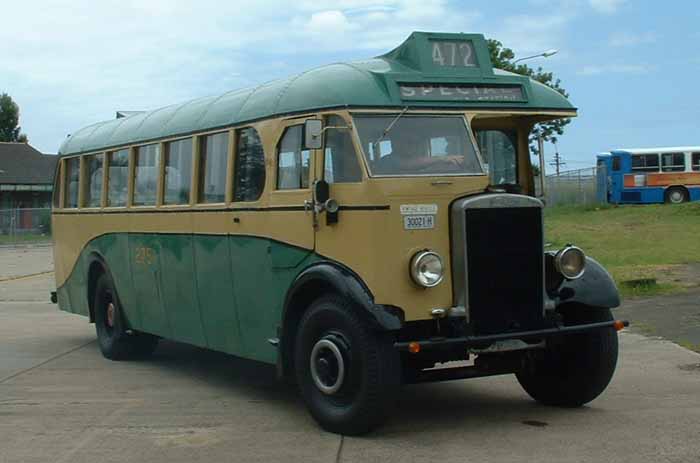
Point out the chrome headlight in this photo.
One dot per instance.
(427, 269)
(570, 262)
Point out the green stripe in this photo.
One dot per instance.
(224, 292)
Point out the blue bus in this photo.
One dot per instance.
(649, 175)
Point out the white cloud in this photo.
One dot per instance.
(324, 22)
(606, 6)
(73, 62)
(591, 70)
(629, 39)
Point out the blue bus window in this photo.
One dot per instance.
(672, 162)
(616, 163)
(645, 162)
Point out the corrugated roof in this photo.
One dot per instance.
(21, 164)
(369, 83)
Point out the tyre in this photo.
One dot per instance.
(115, 340)
(347, 373)
(577, 370)
(676, 195)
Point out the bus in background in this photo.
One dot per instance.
(650, 175)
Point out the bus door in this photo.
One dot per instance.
(616, 179)
(279, 238)
(341, 234)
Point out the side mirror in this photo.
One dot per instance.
(313, 129)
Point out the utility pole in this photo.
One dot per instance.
(558, 161)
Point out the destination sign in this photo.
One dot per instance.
(461, 92)
(454, 53)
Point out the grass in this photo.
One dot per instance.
(632, 242)
(24, 238)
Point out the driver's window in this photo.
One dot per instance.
(340, 159)
(293, 161)
(500, 155)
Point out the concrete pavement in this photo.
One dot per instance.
(61, 401)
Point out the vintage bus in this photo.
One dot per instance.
(354, 225)
(649, 175)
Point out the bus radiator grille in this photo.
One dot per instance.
(505, 269)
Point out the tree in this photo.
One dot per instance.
(502, 58)
(10, 131)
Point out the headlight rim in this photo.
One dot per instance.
(558, 262)
(414, 267)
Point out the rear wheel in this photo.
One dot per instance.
(579, 368)
(676, 195)
(113, 336)
(346, 372)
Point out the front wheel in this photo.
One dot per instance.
(115, 340)
(676, 195)
(579, 368)
(346, 372)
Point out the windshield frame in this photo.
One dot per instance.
(403, 114)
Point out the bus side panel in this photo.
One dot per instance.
(263, 270)
(77, 294)
(643, 195)
(215, 286)
(146, 265)
(694, 194)
(114, 248)
(180, 289)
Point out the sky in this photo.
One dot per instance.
(630, 66)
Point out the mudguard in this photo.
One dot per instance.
(348, 284)
(596, 288)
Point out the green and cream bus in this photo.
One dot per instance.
(354, 225)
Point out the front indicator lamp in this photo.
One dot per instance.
(427, 269)
(570, 262)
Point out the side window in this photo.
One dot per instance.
(212, 168)
(178, 171)
(292, 161)
(249, 174)
(340, 159)
(645, 163)
(57, 190)
(93, 177)
(499, 152)
(72, 182)
(616, 163)
(672, 162)
(118, 182)
(146, 175)
(696, 161)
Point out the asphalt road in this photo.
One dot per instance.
(60, 401)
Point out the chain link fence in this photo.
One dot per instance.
(25, 226)
(581, 186)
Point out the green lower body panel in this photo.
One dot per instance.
(224, 292)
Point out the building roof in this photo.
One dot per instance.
(21, 164)
(373, 83)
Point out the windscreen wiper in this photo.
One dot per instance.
(388, 128)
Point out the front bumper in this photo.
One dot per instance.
(473, 341)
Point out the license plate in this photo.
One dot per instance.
(418, 222)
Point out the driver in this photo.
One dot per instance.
(410, 155)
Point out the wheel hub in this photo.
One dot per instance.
(328, 365)
(676, 197)
(110, 314)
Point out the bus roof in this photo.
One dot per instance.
(668, 149)
(428, 70)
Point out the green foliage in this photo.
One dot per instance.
(502, 58)
(10, 131)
